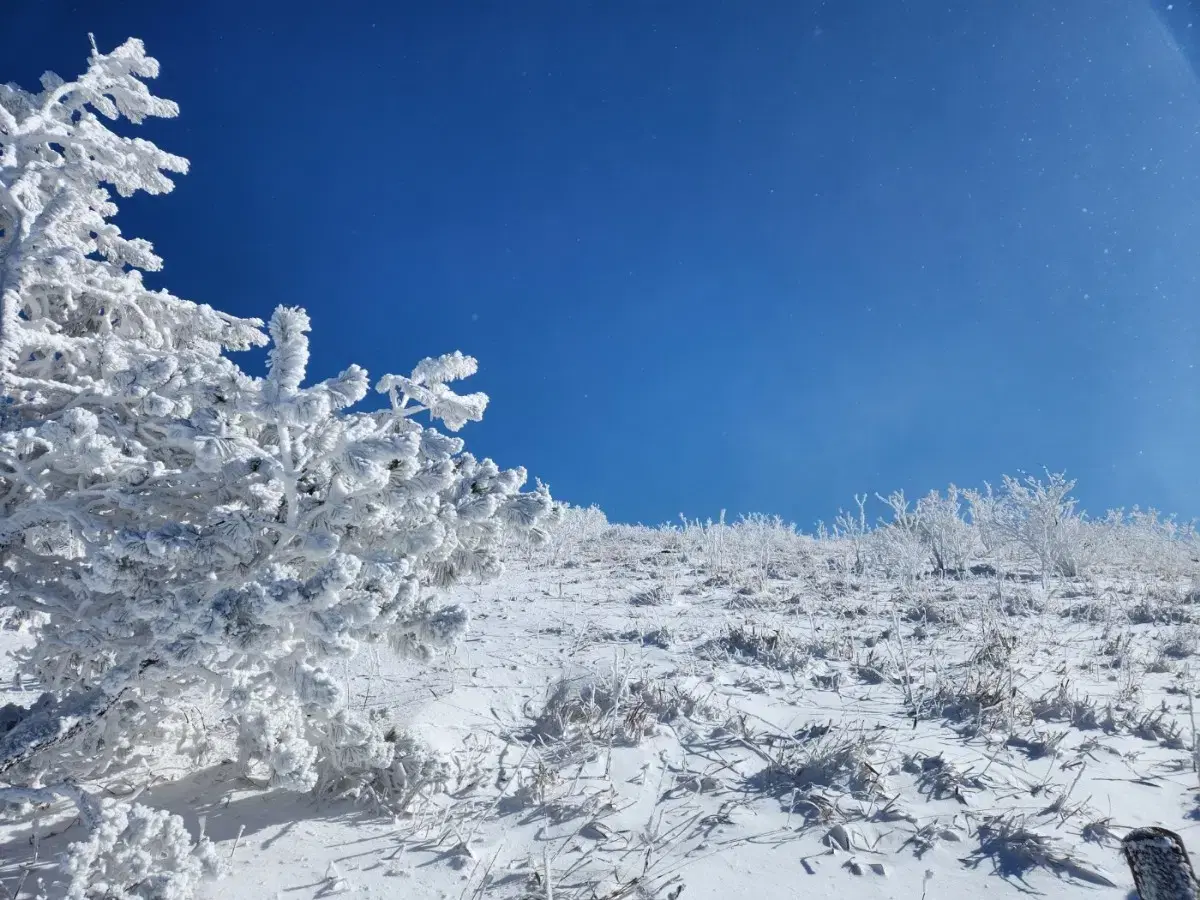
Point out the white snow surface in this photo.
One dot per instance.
(637, 724)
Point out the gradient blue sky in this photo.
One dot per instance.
(745, 255)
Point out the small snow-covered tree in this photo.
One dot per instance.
(173, 524)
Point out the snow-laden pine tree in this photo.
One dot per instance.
(170, 524)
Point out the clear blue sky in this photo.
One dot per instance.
(745, 255)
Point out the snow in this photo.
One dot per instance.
(644, 716)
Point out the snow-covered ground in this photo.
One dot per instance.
(641, 723)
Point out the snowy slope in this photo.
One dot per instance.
(638, 725)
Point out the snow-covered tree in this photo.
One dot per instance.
(172, 524)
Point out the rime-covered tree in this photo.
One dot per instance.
(171, 524)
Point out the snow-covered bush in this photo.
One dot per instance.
(572, 528)
(768, 547)
(177, 524)
(950, 539)
(137, 853)
(896, 547)
(399, 768)
(1149, 541)
(850, 532)
(1035, 520)
(928, 535)
(751, 550)
(707, 543)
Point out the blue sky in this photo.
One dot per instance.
(744, 255)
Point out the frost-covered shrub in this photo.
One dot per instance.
(707, 543)
(848, 538)
(930, 534)
(658, 595)
(951, 540)
(896, 547)
(1036, 521)
(572, 529)
(175, 524)
(1148, 541)
(137, 853)
(1019, 600)
(396, 768)
(775, 648)
(605, 707)
(767, 547)
(819, 762)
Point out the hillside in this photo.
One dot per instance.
(716, 712)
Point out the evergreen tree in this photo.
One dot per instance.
(170, 524)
